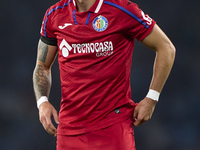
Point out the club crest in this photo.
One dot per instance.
(100, 23)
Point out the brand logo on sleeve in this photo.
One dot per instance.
(100, 23)
(147, 18)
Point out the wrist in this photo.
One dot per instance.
(41, 100)
(154, 95)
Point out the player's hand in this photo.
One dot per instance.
(46, 111)
(143, 111)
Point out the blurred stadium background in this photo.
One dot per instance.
(175, 124)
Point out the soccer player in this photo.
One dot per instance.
(94, 40)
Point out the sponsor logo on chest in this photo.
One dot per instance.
(98, 48)
(99, 24)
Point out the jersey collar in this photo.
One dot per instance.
(95, 7)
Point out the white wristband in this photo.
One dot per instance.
(154, 95)
(41, 100)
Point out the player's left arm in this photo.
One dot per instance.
(165, 54)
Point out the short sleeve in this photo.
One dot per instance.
(139, 24)
(47, 33)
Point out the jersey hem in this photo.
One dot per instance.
(127, 115)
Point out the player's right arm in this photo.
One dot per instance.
(46, 55)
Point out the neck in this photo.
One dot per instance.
(84, 5)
